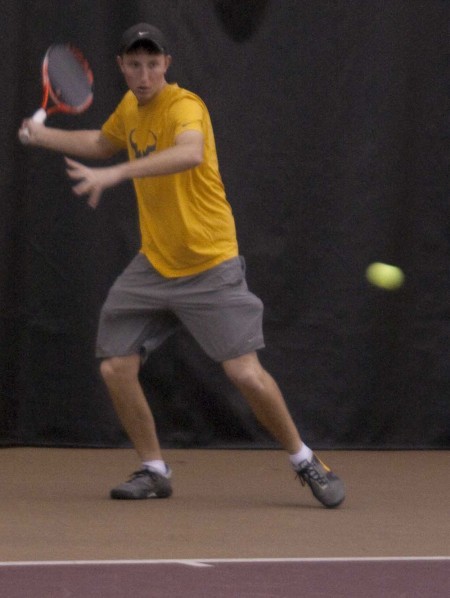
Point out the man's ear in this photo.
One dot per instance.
(120, 62)
(168, 61)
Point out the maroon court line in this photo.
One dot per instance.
(250, 579)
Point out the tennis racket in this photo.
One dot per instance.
(67, 81)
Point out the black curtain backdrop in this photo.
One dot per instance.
(330, 121)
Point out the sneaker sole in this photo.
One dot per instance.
(118, 495)
(334, 505)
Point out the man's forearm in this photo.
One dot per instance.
(88, 144)
(169, 161)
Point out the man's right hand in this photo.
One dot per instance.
(28, 132)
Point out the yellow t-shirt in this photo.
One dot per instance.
(186, 222)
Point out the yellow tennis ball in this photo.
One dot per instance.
(385, 276)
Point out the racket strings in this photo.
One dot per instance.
(69, 78)
(78, 54)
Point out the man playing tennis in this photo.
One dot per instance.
(188, 271)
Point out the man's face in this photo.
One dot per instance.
(144, 73)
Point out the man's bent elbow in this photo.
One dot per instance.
(193, 159)
(198, 154)
(197, 159)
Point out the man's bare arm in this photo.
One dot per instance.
(185, 154)
(88, 144)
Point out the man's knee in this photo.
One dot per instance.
(120, 368)
(245, 372)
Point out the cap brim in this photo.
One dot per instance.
(143, 38)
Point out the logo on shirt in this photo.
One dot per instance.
(141, 153)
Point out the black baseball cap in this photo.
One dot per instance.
(143, 32)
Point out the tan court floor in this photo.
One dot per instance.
(226, 504)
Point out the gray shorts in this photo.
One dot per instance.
(144, 308)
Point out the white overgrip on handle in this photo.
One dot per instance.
(39, 116)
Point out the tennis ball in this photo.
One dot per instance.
(385, 276)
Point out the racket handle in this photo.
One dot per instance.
(39, 116)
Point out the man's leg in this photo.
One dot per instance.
(121, 378)
(265, 398)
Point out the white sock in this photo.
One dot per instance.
(157, 465)
(304, 454)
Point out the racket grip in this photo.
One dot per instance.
(39, 116)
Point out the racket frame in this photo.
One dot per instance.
(40, 115)
(49, 92)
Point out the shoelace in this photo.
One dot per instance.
(141, 473)
(311, 473)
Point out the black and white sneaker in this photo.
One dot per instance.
(324, 484)
(144, 483)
